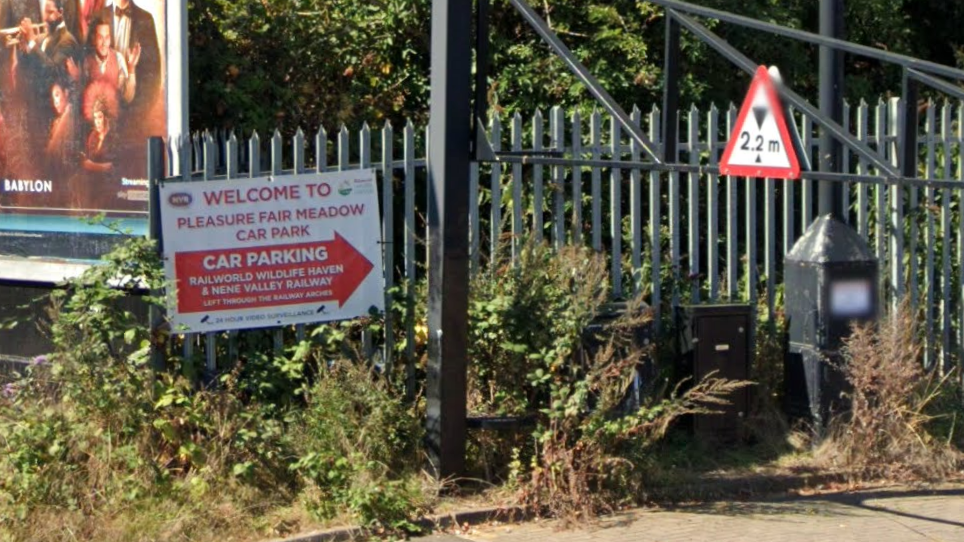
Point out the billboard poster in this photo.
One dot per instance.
(264, 252)
(82, 85)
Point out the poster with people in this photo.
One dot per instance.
(82, 85)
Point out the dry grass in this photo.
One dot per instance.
(887, 432)
(160, 520)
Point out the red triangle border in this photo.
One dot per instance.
(762, 77)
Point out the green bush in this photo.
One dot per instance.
(94, 431)
(357, 444)
(111, 424)
(520, 316)
(530, 355)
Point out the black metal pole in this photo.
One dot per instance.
(448, 235)
(670, 90)
(481, 102)
(831, 105)
(908, 136)
(155, 172)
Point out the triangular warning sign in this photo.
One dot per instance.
(760, 144)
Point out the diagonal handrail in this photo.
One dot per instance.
(815, 39)
(580, 71)
(934, 82)
(747, 65)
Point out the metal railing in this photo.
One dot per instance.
(675, 232)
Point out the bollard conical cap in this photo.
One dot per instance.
(829, 240)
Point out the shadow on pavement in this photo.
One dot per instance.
(830, 504)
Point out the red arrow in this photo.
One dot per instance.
(226, 269)
(357, 267)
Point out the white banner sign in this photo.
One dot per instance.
(272, 251)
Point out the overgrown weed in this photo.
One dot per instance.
(889, 431)
(353, 439)
(766, 424)
(96, 444)
(532, 356)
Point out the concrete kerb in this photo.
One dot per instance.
(705, 491)
(431, 524)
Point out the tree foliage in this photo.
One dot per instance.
(268, 63)
(288, 63)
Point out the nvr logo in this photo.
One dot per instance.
(180, 199)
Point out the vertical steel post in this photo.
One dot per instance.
(904, 278)
(671, 137)
(908, 126)
(831, 105)
(671, 90)
(155, 172)
(449, 131)
(481, 102)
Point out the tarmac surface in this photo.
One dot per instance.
(882, 515)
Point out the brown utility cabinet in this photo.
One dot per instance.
(718, 338)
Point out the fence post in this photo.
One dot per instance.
(732, 231)
(880, 191)
(831, 105)
(576, 179)
(155, 173)
(635, 210)
(908, 168)
(448, 236)
(231, 152)
(615, 211)
(495, 191)
(517, 212)
(671, 139)
(862, 201)
(958, 138)
(557, 130)
(712, 206)
(538, 197)
(388, 244)
(408, 164)
(298, 151)
(595, 189)
(693, 200)
(789, 195)
(184, 152)
(277, 144)
(670, 89)
(947, 328)
(930, 237)
(655, 233)
(210, 338)
(365, 162)
(480, 102)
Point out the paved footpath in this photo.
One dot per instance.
(892, 515)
